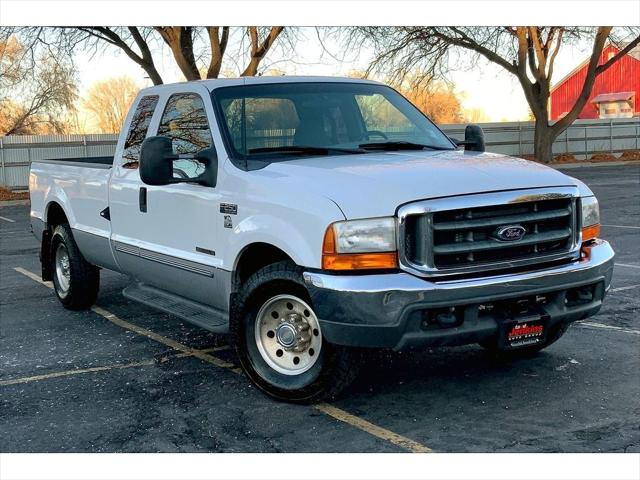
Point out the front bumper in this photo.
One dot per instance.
(396, 310)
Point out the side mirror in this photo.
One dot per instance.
(156, 163)
(474, 138)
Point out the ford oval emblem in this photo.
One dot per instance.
(510, 233)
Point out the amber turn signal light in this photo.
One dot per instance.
(331, 260)
(590, 232)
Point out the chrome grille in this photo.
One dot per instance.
(461, 234)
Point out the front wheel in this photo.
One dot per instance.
(75, 281)
(279, 342)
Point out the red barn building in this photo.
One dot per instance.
(615, 93)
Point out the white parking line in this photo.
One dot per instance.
(607, 327)
(621, 289)
(7, 220)
(622, 226)
(628, 265)
(611, 184)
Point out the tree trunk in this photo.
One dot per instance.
(154, 76)
(543, 141)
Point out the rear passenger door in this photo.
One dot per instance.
(125, 180)
(169, 240)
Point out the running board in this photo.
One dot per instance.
(201, 315)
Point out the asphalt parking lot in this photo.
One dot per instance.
(125, 378)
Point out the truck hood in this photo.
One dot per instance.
(375, 184)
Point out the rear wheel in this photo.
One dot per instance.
(279, 342)
(75, 281)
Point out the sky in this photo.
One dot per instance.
(487, 87)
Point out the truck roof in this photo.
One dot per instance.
(212, 84)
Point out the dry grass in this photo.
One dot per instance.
(630, 155)
(565, 158)
(599, 157)
(603, 157)
(6, 194)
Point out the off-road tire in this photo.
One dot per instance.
(84, 281)
(336, 366)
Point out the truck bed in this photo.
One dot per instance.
(83, 161)
(79, 185)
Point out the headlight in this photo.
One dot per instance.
(360, 244)
(590, 211)
(362, 236)
(590, 218)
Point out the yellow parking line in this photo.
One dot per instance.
(139, 330)
(47, 376)
(330, 410)
(370, 428)
(142, 363)
(33, 276)
(159, 338)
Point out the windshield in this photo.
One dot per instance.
(289, 120)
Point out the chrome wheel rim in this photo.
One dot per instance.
(63, 271)
(287, 334)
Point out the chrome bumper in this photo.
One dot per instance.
(385, 310)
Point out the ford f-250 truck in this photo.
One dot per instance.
(312, 218)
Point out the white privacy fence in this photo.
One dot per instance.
(582, 139)
(17, 152)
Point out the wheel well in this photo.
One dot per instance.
(55, 215)
(253, 258)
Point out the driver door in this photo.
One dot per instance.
(169, 237)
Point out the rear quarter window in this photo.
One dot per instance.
(138, 131)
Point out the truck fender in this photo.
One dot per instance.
(57, 195)
(304, 250)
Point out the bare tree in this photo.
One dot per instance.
(437, 100)
(34, 98)
(109, 101)
(260, 47)
(135, 42)
(528, 53)
(191, 47)
(10, 54)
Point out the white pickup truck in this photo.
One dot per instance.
(315, 217)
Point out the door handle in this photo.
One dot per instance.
(142, 199)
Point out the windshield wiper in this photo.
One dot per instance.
(400, 145)
(294, 149)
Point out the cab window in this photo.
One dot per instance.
(185, 121)
(138, 131)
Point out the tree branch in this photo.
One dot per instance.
(180, 41)
(630, 46)
(259, 50)
(590, 77)
(218, 47)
